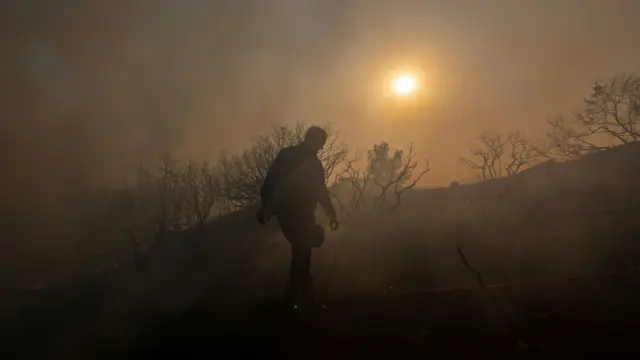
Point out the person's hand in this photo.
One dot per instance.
(334, 224)
(263, 216)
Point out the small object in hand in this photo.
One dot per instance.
(335, 224)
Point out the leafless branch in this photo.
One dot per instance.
(500, 154)
(464, 260)
(354, 181)
(522, 153)
(400, 179)
(488, 158)
(613, 108)
(565, 142)
(201, 191)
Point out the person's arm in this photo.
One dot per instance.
(323, 193)
(271, 179)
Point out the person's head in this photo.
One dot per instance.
(315, 138)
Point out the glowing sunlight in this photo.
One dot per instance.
(404, 84)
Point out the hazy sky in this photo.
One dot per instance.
(91, 87)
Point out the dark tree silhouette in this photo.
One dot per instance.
(200, 191)
(610, 117)
(364, 192)
(499, 155)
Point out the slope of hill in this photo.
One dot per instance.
(566, 219)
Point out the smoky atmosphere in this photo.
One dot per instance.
(319, 178)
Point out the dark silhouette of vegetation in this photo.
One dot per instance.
(500, 155)
(170, 197)
(366, 191)
(610, 117)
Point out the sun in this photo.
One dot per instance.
(404, 84)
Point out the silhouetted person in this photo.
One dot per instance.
(293, 186)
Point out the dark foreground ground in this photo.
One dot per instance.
(552, 219)
(569, 318)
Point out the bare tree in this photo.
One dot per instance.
(488, 158)
(499, 155)
(167, 189)
(174, 197)
(355, 188)
(611, 115)
(241, 175)
(402, 177)
(200, 192)
(564, 141)
(353, 184)
(333, 154)
(522, 153)
(613, 109)
(146, 211)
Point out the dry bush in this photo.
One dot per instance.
(364, 194)
(499, 155)
(170, 197)
(200, 189)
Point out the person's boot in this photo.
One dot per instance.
(290, 301)
(307, 298)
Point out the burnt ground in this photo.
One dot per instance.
(567, 318)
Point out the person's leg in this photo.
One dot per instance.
(300, 279)
(291, 292)
(301, 271)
